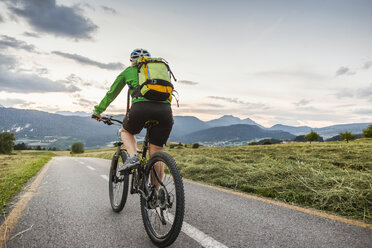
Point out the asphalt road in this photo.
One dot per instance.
(71, 209)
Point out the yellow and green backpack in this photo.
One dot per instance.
(154, 78)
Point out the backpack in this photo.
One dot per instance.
(154, 79)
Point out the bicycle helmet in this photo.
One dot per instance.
(137, 53)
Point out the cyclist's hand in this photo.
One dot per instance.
(98, 117)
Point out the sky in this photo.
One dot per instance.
(285, 61)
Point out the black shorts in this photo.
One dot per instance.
(140, 112)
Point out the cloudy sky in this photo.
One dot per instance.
(291, 62)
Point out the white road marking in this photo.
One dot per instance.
(91, 168)
(81, 162)
(105, 177)
(197, 235)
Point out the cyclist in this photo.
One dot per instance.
(141, 111)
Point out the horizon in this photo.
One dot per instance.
(195, 117)
(295, 63)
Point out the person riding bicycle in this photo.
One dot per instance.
(142, 110)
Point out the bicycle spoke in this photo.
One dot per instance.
(163, 212)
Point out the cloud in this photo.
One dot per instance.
(108, 9)
(41, 70)
(85, 5)
(12, 80)
(27, 83)
(361, 93)
(7, 41)
(302, 102)
(11, 102)
(7, 62)
(367, 65)
(30, 34)
(364, 111)
(238, 101)
(291, 74)
(344, 71)
(48, 17)
(87, 61)
(187, 82)
(1, 18)
(85, 103)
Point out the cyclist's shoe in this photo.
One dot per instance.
(129, 164)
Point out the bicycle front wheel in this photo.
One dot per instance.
(163, 212)
(118, 184)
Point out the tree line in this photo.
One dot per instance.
(7, 140)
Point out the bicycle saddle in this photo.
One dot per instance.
(151, 123)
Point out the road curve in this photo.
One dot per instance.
(71, 208)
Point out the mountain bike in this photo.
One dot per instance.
(158, 182)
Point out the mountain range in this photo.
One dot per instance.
(62, 129)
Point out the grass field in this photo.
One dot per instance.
(16, 169)
(331, 176)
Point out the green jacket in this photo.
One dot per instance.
(128, 76)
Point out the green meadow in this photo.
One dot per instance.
(16, 169)
(334, 177)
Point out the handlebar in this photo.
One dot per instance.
(109, 120)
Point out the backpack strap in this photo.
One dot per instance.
(128, 100)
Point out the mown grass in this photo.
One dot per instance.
(332, 176)
(16, 169)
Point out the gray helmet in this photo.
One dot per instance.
(137, 53)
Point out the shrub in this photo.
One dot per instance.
(312, 136)
(6, 142)
(347, 136)
(77, 147)
(368, 132)
(267, 142)
(196, 145)
(20, 146)
(252, 143)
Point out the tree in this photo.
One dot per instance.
(77, 147)
(368, 132)
(312, 136)
(6, 142)
(196, 145)
(347, 136)
(20, 146)
(38, 148)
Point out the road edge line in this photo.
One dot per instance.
(12, 219)
(286, 205)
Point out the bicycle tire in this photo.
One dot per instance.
(179, 208)
(118, 206)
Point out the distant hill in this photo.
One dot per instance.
(186, 124)
(56, 130)
(330, 131)
(326, 132)
(234, 134)
(228, 120)
(43, 127)
(292, 130)
(338, 137)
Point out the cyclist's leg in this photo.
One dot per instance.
(159, 167)
(129, 141)
(132, 124)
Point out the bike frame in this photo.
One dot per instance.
(137, 183)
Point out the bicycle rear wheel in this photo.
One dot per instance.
(163, 212)
(118, 184)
